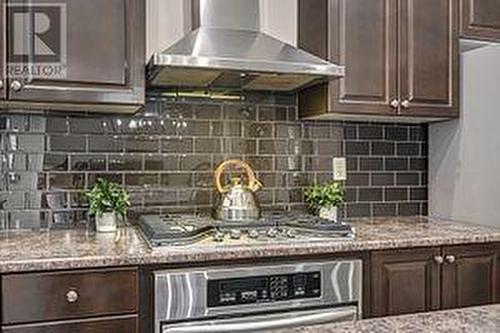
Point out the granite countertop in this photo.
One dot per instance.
(23, 251)
(483, 319)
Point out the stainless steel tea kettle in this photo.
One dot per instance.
(238, 202)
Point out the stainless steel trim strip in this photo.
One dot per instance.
(266, 322)
(248, 65)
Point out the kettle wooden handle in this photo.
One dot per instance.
(253, 183)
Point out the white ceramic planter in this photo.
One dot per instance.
(329, 213)
(107, 222)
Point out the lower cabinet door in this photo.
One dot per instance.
(405, 281)
(469, 276)
(116, 325)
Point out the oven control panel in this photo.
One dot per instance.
(259, 289)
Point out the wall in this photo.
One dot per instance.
(464, 154)
(166, 155)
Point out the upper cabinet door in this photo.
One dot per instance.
(480, 19)
(3, 82)
(86, 52)
(364, 39)
(429, 57)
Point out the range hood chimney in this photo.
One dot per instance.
(229, 51)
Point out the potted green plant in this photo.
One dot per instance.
(324, 200)
(109, 203)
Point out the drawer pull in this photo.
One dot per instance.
(16, 85)
(394, 103)
(450, 259)
(439, 260)
(72, 296)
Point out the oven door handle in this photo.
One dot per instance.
(267, 322)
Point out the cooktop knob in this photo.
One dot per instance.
(235, 234)
(253, 234)
(218, 236)
(272, 233)
(291, 233)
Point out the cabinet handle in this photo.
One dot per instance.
(394, 103)
(1, 84)
(405, 104)
(439, 260)
(450, 259)
(72, 296)
(16, 85)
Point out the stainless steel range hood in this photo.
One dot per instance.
(228, 50)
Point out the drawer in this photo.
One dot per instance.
(116, 325)
(38, 297)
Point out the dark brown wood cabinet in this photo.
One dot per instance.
(405, 281)
(425, 279)
(362, 36)
(429, 58)
(480, 19)
(498, 276)
(126, 324)
(91, 301)
(101, 56)
(469, 276)
(401, 58)
(3, 82)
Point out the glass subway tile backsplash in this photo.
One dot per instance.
(166, 154)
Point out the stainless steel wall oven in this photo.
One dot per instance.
(257, 298)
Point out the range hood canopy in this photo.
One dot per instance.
(228, 50)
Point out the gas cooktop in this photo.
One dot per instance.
(181, 229)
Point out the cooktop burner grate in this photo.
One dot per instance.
(181, 229)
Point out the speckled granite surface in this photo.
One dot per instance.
(34, 251)
(485, 319)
